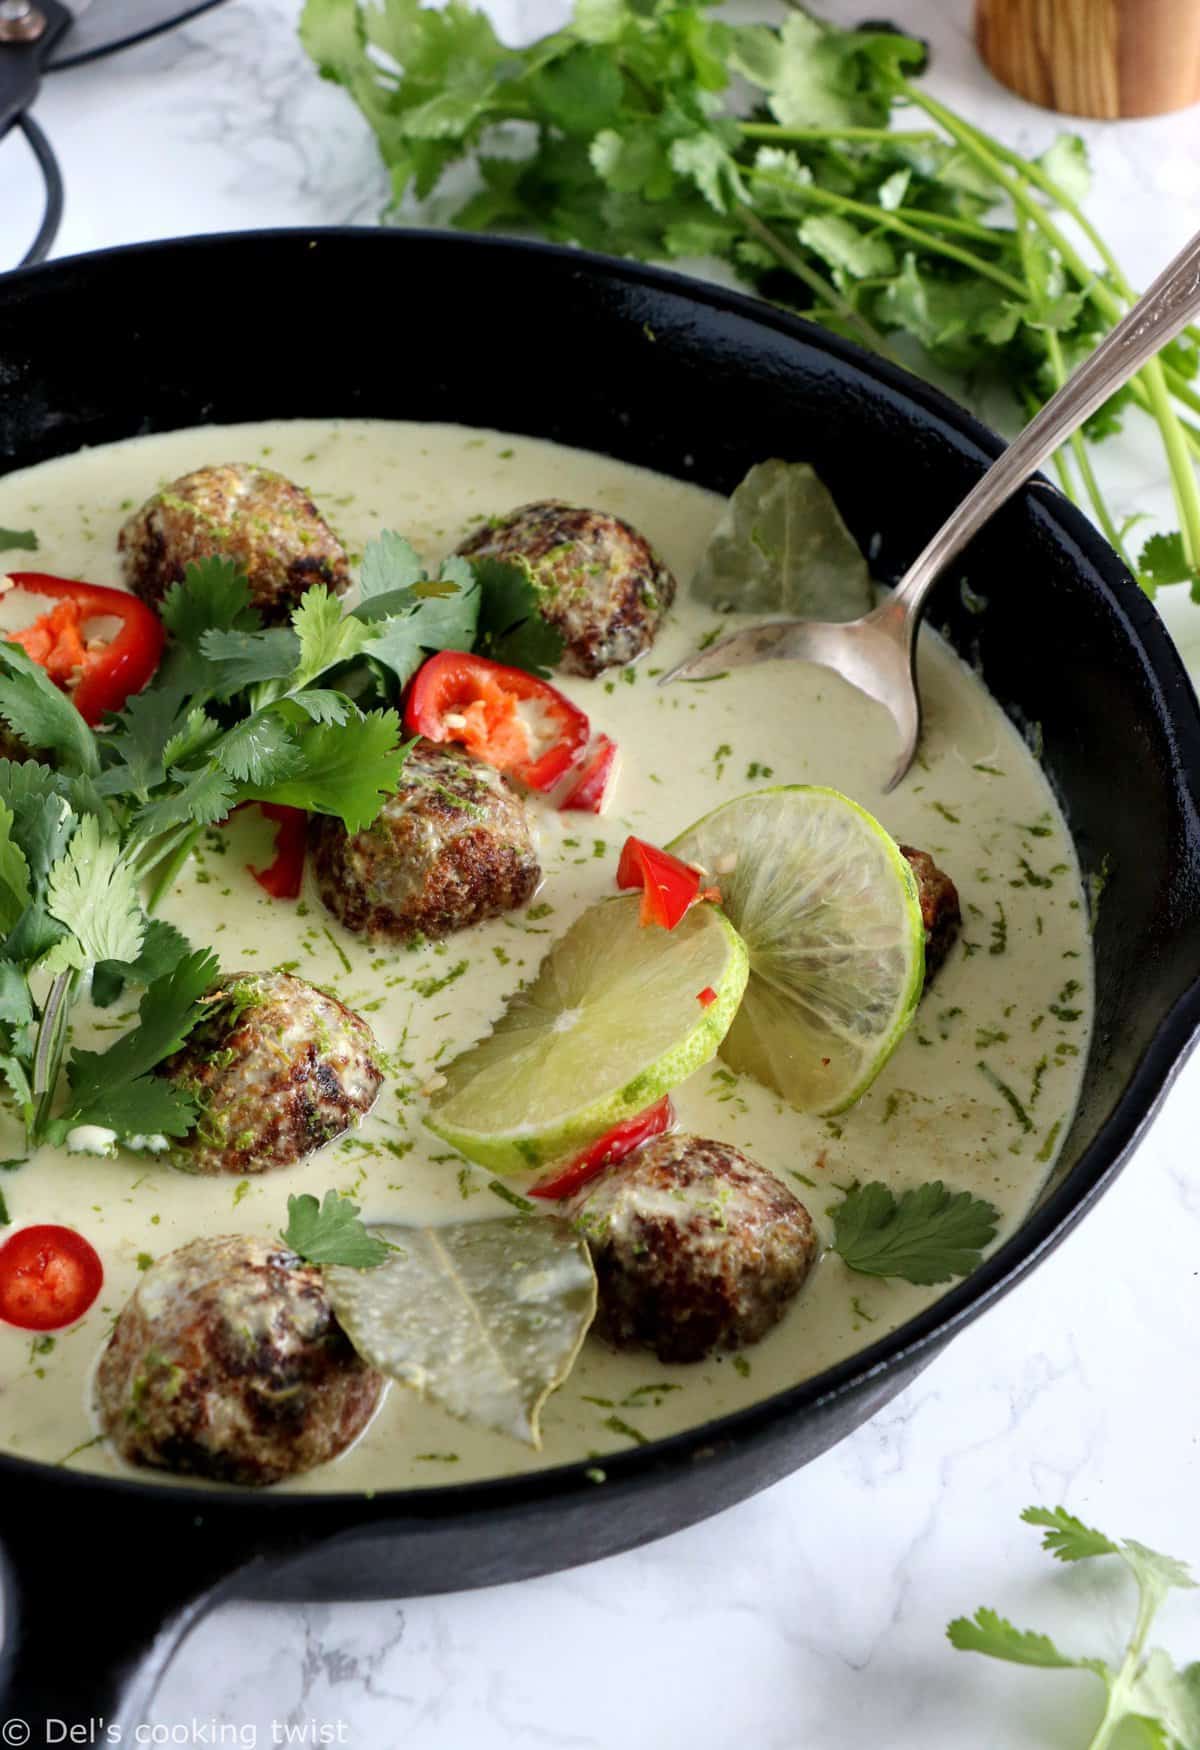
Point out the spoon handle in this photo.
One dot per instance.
(1170, 304)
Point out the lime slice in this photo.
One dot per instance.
(610, 1024)
(828, 909)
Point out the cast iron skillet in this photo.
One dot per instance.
(699, 383)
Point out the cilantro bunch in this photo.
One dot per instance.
(653, 128)
(1145, 1693)
(94, 830)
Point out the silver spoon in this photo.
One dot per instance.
(876, 654)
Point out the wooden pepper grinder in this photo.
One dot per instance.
(1103, 58)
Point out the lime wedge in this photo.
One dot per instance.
(610, 1024)
(828, 909)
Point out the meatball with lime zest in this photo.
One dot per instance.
(277, 1068)
(598, 581)
(697, 1248)
(450, 848)
(253, 516)
(227, 1362)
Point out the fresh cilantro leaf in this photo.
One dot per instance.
(202, 796)
(326, 635)
(16, 1002)
(43, 821)
(1068, 1538)
(511, 627)
(389, 563)
(244, 659)
(1146, 1690)
(14, 1073)
(13, 539)
(146, 1106)
(133, 748)
(41, 715)
(261, 750)
(706, 161)
(1166, 1700)
(213, 596)
(581, 92)
(987, 1632)
(15, 890)
(1163, 561)
(94, 893)
(1066, 162)
(1153, 1571)
(322, 705)
(170, 1007)
(163, 947)
(927, 1235)
(195, 733)
(410, 614)
(331, 1233)
(345, 769)
(847, 247)
(437, 615)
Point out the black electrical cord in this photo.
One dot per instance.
(52, 212)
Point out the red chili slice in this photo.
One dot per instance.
(590, 790)
(620, 1141)
(669, 888)
(98, 673)
(456, 696)
(283, 876)
(49, 1276)
(707, 997)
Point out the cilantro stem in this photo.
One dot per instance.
(1152, 380)
(776, 131)
(48, 1051)
(1183, 475)
(824, 289)
(168, 868)
(1083, 461)
(824, 197)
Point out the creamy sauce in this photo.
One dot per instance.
(978, 1093)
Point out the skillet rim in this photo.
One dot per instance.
(919, 1338)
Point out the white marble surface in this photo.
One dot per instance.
(813, 1615)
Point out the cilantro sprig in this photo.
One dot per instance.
(926, 1235)
(330, 1232)
(1145, 1690)
(303, 715)
(661, 129)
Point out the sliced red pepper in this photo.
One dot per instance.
(49, 1276)
(707, 997)
(98, 673)
(620, 1141)
(590, 790)
(283, 876)
(457, 696)
(669, 888)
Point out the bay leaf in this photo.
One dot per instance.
(781, 547)
(485, 1318)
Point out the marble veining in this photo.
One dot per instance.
(814, 1614)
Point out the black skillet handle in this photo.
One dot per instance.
(22, 55)
(98, 1595)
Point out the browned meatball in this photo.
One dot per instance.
(599, 581)
(696, 1248)
(236, 511)
(939, 908)
(227, 1362)
(279, 1068)
(450, 848)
